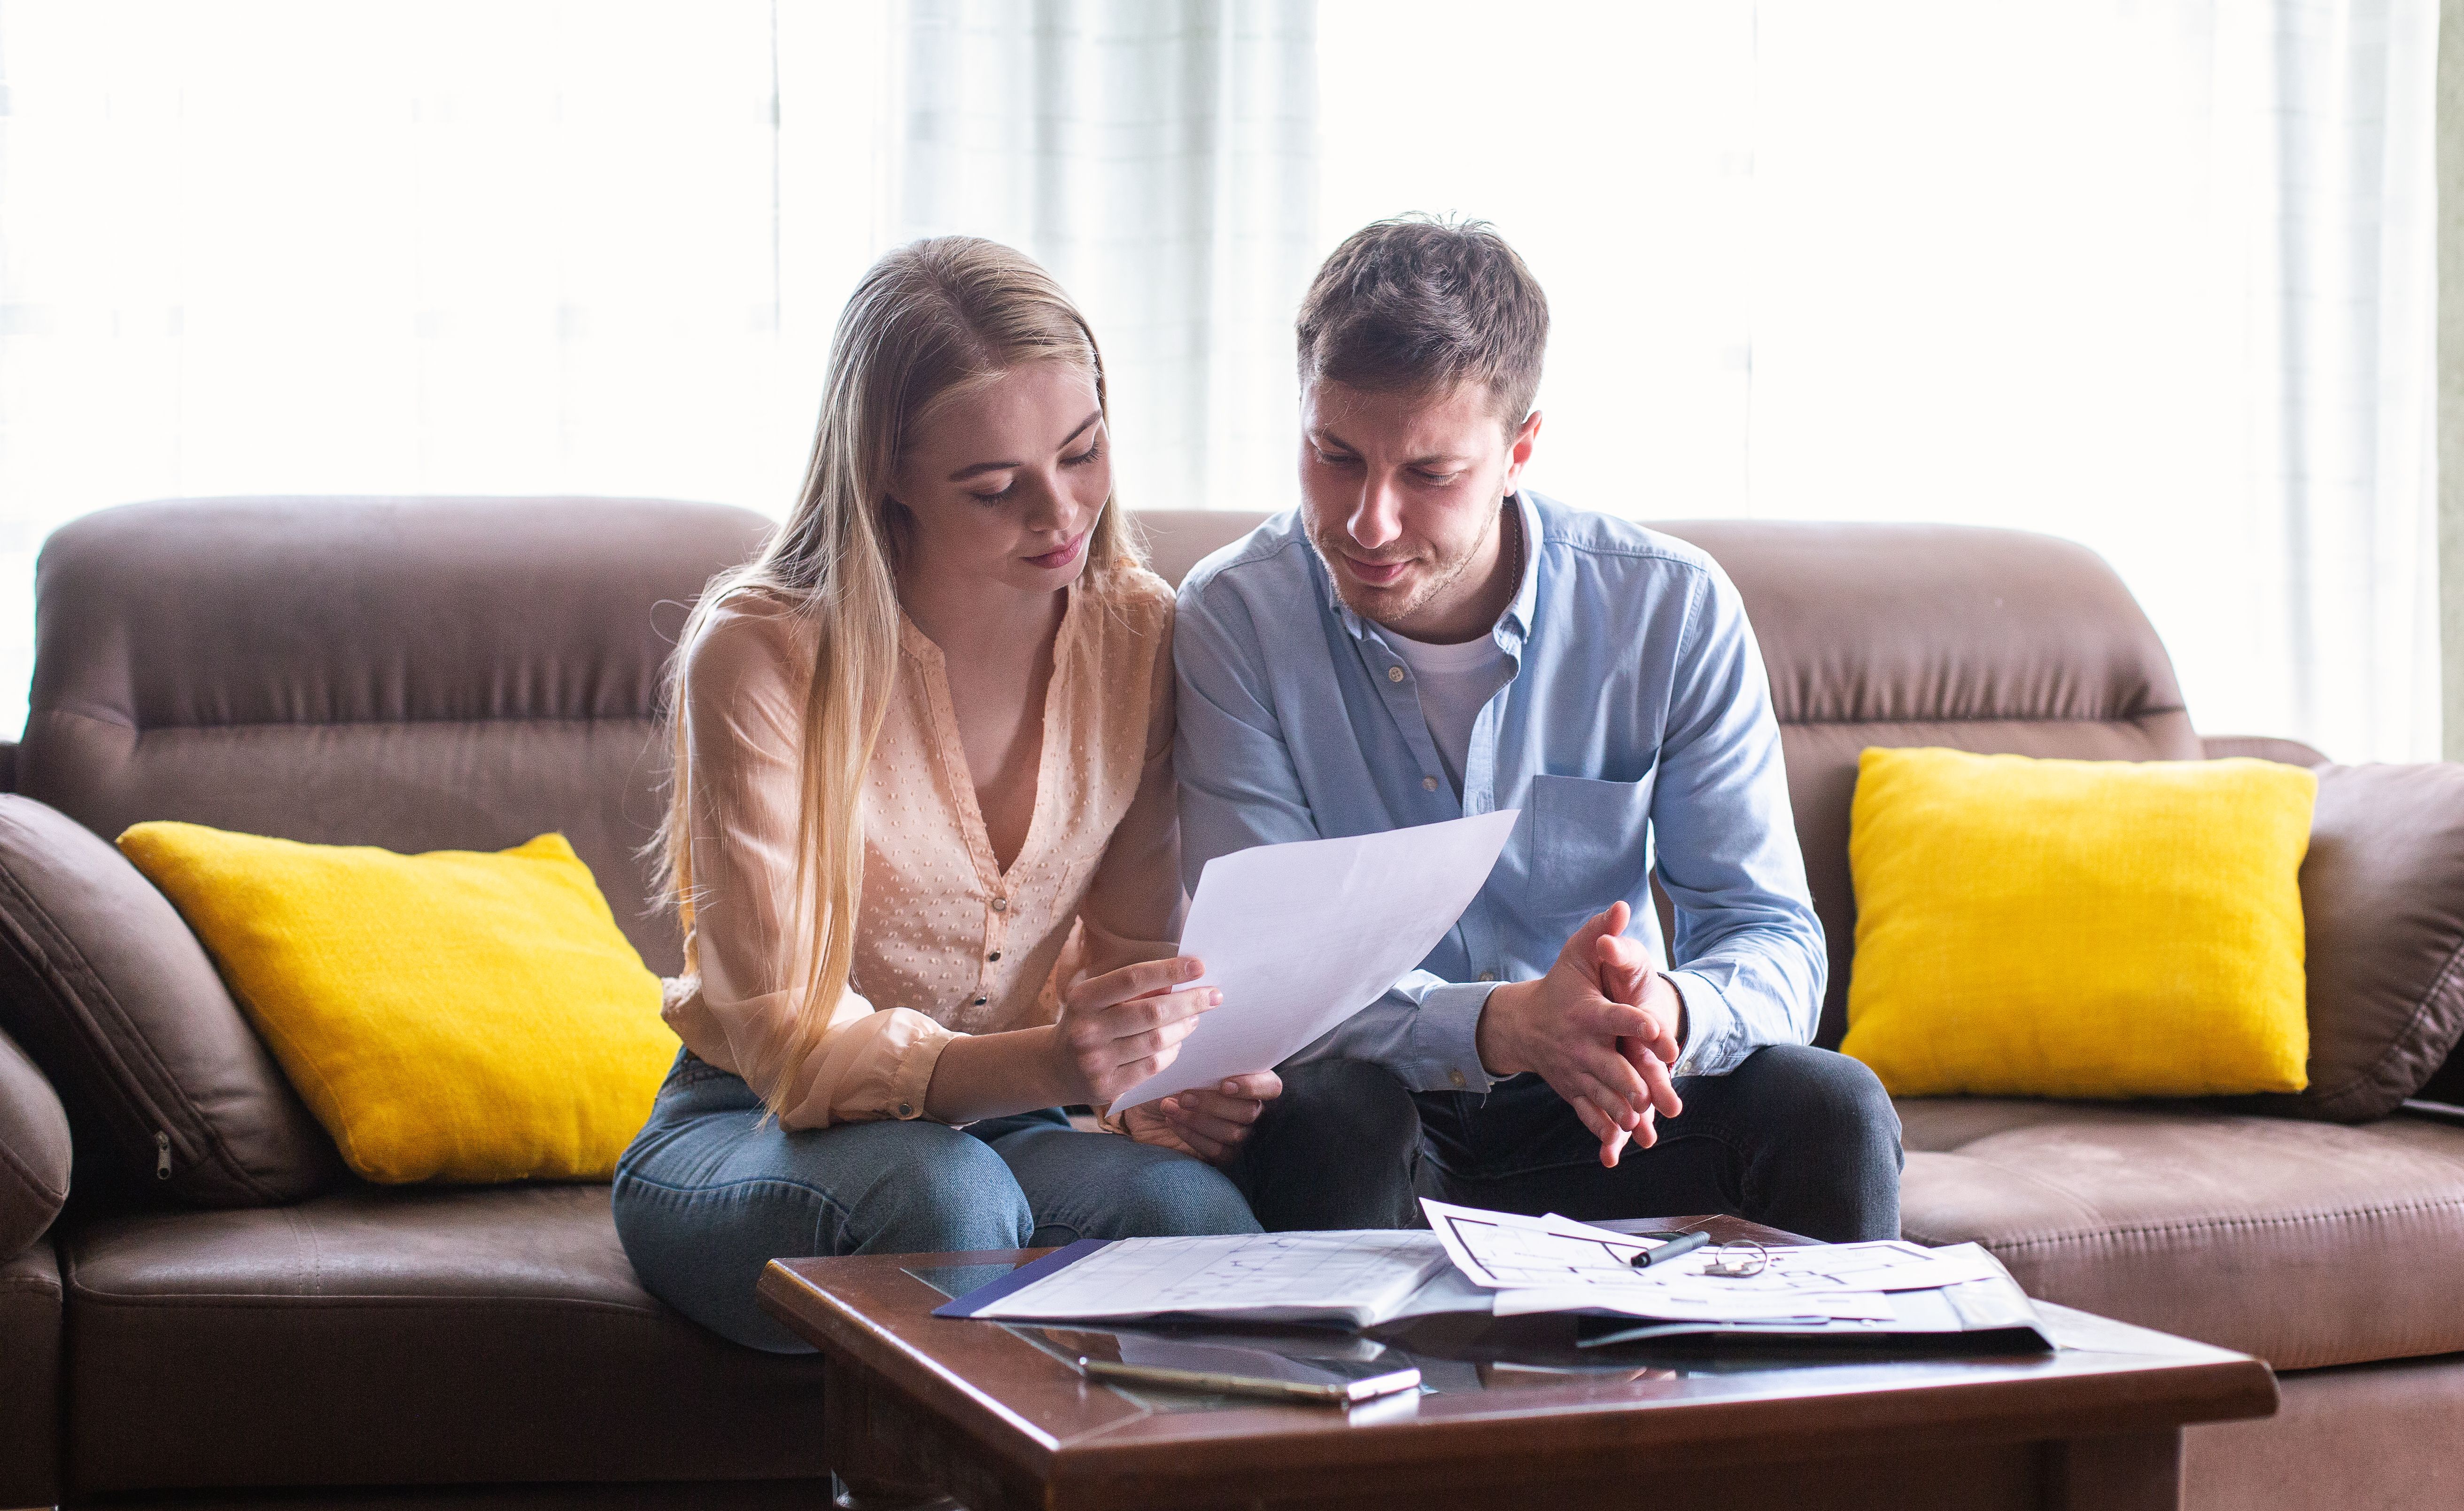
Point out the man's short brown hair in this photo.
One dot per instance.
(1421, 304)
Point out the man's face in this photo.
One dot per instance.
(1400, 493)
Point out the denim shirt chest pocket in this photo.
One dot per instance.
(1588, 844)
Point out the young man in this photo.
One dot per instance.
(1426, 640)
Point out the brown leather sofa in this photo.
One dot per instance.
(220, 1307)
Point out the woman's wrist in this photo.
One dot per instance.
(993, 1075)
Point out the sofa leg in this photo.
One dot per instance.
(2123, 1471)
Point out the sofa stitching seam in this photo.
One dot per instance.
(86, 1296)
(2222, 1223)
(2132, 718)
(142, 730)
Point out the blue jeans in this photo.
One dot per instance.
(711, 1190)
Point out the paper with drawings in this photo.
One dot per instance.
(1359, 1278)
(1554, 1264)
(1300, 936)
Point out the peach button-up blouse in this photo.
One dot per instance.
(946, 942)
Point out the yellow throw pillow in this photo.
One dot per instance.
(2077, 928)
(452, 1017)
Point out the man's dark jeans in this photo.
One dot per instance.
(1798, 1138)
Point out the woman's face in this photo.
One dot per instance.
(1006, 480)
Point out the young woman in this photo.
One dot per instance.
(923, 837)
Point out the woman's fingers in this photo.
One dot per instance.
(1227, 1119)
(1090, 1030)
(1130, 982)
(1209, 1136)
(1256, 1085)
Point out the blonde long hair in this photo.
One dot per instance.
(929, 319)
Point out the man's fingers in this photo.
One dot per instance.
(1592, 1120)
(1623, 967)
(1613, 1146)
(1579, 944)
(1619, 1020)
(1659, 1085)
(1607, 1070)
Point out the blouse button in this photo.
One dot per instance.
(980, 1002)
(1394, 674)
(1000, 905)
(995, 955)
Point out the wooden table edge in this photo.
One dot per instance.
(2224, 1388)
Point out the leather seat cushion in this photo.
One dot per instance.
(407, 1337)
(2304, 1243)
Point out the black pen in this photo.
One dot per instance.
(1682, 1243)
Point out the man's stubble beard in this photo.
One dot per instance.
(1444, 575)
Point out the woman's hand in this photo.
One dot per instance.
(1210, 1122)
(1121, 1027)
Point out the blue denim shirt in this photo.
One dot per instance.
(1636, 732)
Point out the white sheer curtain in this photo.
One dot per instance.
(598, 245)
(2151, 274)
(1158, 156)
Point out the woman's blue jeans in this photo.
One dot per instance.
(711, 1190)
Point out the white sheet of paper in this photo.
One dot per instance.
(1504, 1249)
(1300, 936)
(1253, 1276)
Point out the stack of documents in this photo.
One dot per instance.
(1506, 1265)
(1552, 1264)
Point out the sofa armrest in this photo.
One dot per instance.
(31, 1383)
(2383, 904)
(33, 1152)
(2261, 747)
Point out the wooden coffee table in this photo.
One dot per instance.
(979, 1411)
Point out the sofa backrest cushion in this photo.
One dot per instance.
(1997, 641)
(168, 1089)
(416, 674)
(35, 1152)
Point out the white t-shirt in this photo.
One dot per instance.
(1456, 682)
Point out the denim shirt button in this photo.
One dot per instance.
(1457, 1077)
(1394, 674)
(1428, 784)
